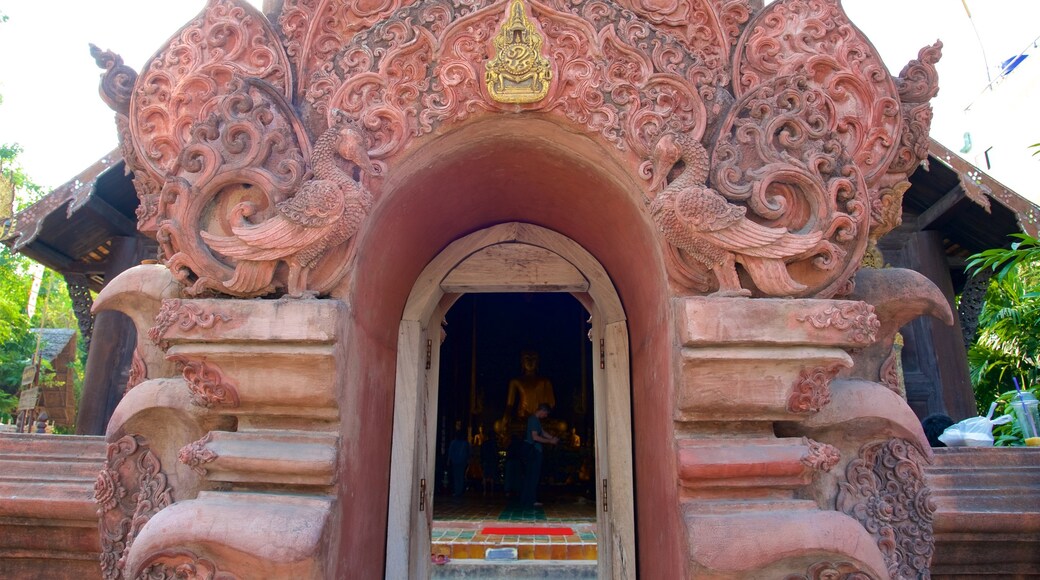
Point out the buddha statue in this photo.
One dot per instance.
(526, 392)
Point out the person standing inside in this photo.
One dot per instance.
(535, 437)
(458, 458)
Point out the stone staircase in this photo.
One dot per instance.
(987, 519)
(48, 518)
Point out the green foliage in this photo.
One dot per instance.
(1025, 250)
(26, 191)
(1008, 341)
(16, 342)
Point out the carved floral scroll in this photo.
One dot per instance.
(886, 492)
(129, 491)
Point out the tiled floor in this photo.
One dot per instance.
(457, 524)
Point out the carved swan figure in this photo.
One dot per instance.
(716, 233)
(326, 211)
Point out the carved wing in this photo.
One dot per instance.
(273, 239)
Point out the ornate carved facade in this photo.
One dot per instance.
(725, 167)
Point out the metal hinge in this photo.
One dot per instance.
(602, 354)
(422, 494)
(429, 354)
(606, 506)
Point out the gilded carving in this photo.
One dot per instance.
(704, 226)
(196, 454)
(518, 73)
(832, 571)
(857, 318)
(820, 456)
(181, 565)
(886, 492)
(207, 383)
(812, 391)
(129, 491)
(186, 315)
(615, 75)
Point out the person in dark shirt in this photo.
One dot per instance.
(458, 458)
(534, 437)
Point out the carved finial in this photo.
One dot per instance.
(918, 82)
(117, 82)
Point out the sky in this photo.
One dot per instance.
(49, 81)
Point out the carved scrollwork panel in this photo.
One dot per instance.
(207, 383)
(196, 454)
(885, 491)
(816, 40)
(181, 565)
(244, 159)
(856, 318)
(812, 392)
(129, 491)
(614, 74)
(185, 315)
(186, 79)
(820, 456)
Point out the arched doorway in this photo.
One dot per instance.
(512, 257)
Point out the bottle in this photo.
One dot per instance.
(1025, 405)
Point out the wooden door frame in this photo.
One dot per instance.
(472, 261)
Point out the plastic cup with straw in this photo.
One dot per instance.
(1032, 438)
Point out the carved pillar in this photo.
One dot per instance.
(972, 298)
(109, 357)
(952, 393)
(79, 291)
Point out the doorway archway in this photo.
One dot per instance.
(512, 257)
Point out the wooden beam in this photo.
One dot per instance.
(941, 208)
(122, 225)
(46, 255)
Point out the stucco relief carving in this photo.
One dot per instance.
(917, 84)
(207, 383)
(196, 454)
(820, 456)
(832, 571)
(129, 491)
(117, 84)
(717, 234)
(186, 315)
(857, 318)
(138, 371)
(812, 390)
(421, 67)
(188, 76)
(886, 492)
(326, 211)
(181, 565)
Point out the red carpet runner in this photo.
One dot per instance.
(526, 531)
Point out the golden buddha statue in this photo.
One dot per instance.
(526, 392)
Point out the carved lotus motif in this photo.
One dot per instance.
(107, 490)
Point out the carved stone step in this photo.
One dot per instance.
(40, 445)
(987, 518)
(48, 518)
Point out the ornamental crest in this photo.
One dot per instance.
(518, 73)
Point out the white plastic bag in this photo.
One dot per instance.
(973, 431)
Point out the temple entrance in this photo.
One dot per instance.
(502, 356)
(515, 263)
